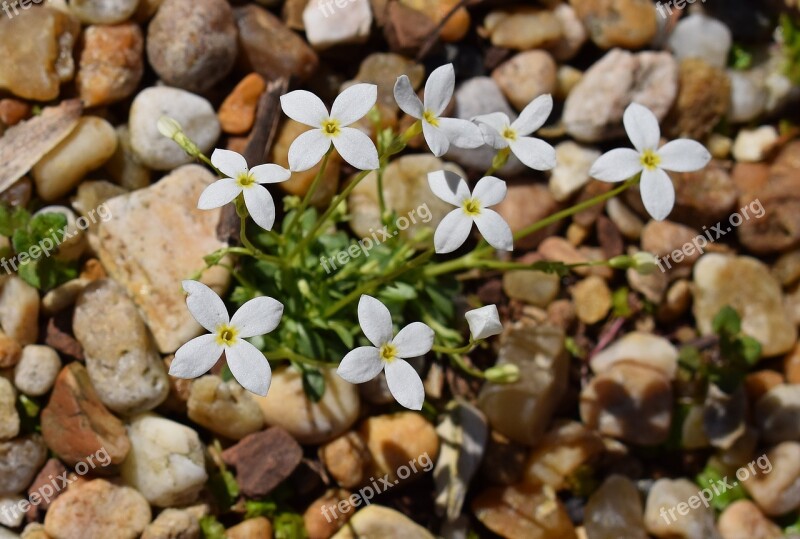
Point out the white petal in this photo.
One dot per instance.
(249, 366)
(258, 316)
(229, 163)
(354, 103)
(304, 107)
(683, 155)
(448, 186)
(407, 98)
(416, 339)
(361, 365)
(205, 305)
(375, 320)
(357, 149)
(492, 126)
(534, 153)
(495, 230)
(534, 115)
(658, 193)
(196, 357)
(439, 89)
(452, 232)
(270, 173)
(405, 384)
(218, 194)
(461, 133)
(307, 150)
(436, 139)
(260, 205)
(484, 322)
(490, 191)
(616, 165)
(642, 127)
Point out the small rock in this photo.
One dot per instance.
(563, 451)
(378, 521)
(327, 27)
(20, 459)
(103, 11)
(744, 520)
(758, 383)
(347, 459)
(775, 487)
(263, 460)
(238, 112)
(405, 28)
(166, 462)
(111, 63)
(615, 510)
(573, 33)
(10, 351)
(125, 167)
(704, 197)
(97, 508)
(173, 524)
(396, 440)
(724, 416)
(671, 243)
(534, 287)
(630, 24)
(52, 468)
(382, 69)
(522, 28)
(791, 365)
(224, 408)
(592, 299)
(9, 418)
(695, 522)
(748, 97)
(752, 145)
(13, 111)
(700, 36)
(252, 528)
(572, 169)
(703, 100)
(10, 513)
(644, 348)
(776, 414)
(523, 512)
(37, 369)
(627, 222)
(526, 203)
(316, 523)
(526, 76)
(19, 310)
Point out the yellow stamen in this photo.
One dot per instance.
(245, 179)
(388, 352)
(331, 128)
(472, 207)
(509, 134)
(226, 335)
(430, 117)
(650, 159)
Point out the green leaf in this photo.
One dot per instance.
(212, 528)
(727, 322)
(11, 219)
(45, 225)
(709, 477)
(313, 383)
(22, 240)
(289, 526)
(689, 358)
(398, 292)
(342, 332)
(29, 272)
(260, 508)
(53, 272)
(750, 349)
(619, 299)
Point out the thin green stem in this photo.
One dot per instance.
(467, 348)
(458, 359)
(310, 193)
(252, 250)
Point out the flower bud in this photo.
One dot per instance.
(168, 127)
(502, 374)
(644, 263)
(484, 322)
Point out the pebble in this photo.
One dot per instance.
(395, 440)
(71, 248)
(456, 26)
(405, 28)
(571, 173)
(125, 167)
(37, 369)
(122, 361)
(564, 450)
(97, 508)
(319, 527)
(382, 69)
(191, 44)
(103, 11)
(700, 36)
(630, 24)
(111, 64)
(630, 402)
(19, 310)
(379, 521)
(690, 523)
(166, 463)
(192, 112)
(252, 528)
(521, 411)
(20, 459)
(791, 365)
(327, 26)
(87, 147)
(745, 284)
(592, 299)
(347, 459)
(522, 28)
(776, 414)
(627, 222)
(774, 487)
(263, 460)
(526, 76)
(238, 112)
(703, 100)
(573, 33)
(615, 510)
(533, 287)
(137, 254)
(752, 145)
(173, 524)
(224, 408)
(523, 512)
(672, 242)
(704, 197)
(644, 348)
(287, 406)
(744, 520)
(13, 111)
(748, 97)
(594, 108)
(10, 351)
(526, 203)
(9, 418)
(724, 416)
(10, 515)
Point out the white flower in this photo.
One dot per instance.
(388, 354)
(350, 106)
(484, 322)
(452, 232)
(500, 133)
(682, 155)
(256, 317)
(439, 132)
(243, 180)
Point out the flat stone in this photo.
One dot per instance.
(263, 460)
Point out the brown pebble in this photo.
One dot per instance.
(238, 111)
(13, 111)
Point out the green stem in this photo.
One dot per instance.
(309, 194)
(252, 250)
(286, 354)
(208, 162)
(467, 348)
(458, 359)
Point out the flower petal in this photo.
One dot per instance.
(407, 98)
(642, 127)
(534, 153)
(436, 139)
(461, 133)
(229, 163)
(196, 357)
(357, 149)
(375, 320)
(249, 366)
(270, 173)
(218, 194)
(658, 193)
(616, 165)
(307, 150)
(452, 232)
(260, 205)
(492, 126)
(405, 384)
(416, 339)
(490, 191)
(534, 115)
(258, 316)
(354, 103)
(439, 89)
(495, 230)
(683, 155)
(205, 305)
(448, 186)
(484, 322)
(304, 107)
(361, 365)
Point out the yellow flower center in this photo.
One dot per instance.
(388, 352)
(245, 179)
(472, 207)
(430, 117)
(226, 335)
(650, 160)
(331, 128)
(509, 134)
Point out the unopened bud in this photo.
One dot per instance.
(502, 374)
